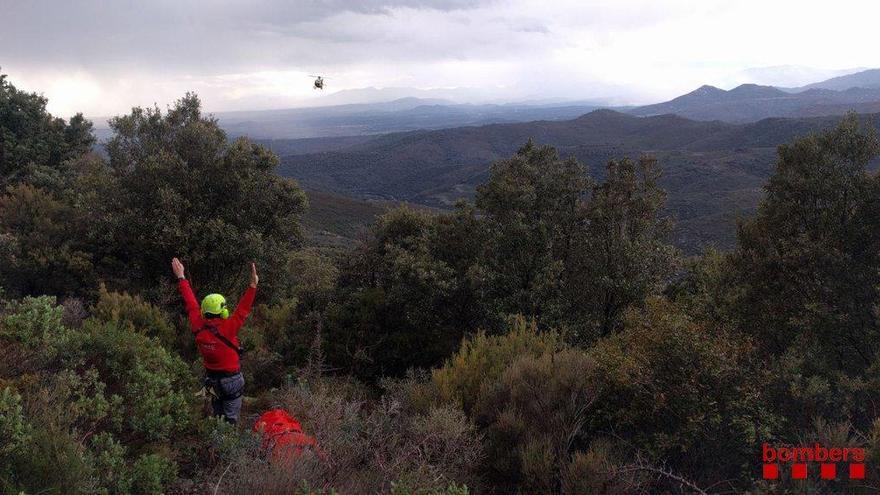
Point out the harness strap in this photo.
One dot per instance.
(216, 333)
(215, 388)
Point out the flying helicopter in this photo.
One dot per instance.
(319, 82)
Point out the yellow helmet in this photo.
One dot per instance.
(214, 306)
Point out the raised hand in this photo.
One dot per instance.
(177, 268)
(254, 278)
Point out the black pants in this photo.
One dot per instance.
(227, 390)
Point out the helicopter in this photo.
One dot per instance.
(319, 82)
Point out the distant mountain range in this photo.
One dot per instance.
(752, 102)
(442, 108)
(865, 79)
(713, 171)
(360, 119)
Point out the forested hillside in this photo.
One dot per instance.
(544, 337)
(712, 171)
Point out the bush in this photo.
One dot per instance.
(154, 388)
(365, 447)
(534, 417)
(136, 314)
(100, 403)
(682, 394)
(483, 358)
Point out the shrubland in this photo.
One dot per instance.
(544, 339)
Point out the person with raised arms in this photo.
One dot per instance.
(216, 334)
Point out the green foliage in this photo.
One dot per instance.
(534, 417)
(544, 240)
(35, 324)
(622, 255)
(33, 143)
(137, 314)
(173, 186)
(182, 189)
(406, 301)
(153, 386)
(313, 277)
(482, 359)
(682, 393)
(41, 243)
(15, 431)
(101, 400)
(809, 259)
(708, 289)
(534, 204)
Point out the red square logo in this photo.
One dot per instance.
(856, 471)
(771, 471)
(799, 471)
(828, 471)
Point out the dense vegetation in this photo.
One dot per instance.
(546, 338)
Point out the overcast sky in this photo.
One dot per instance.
(102, 57)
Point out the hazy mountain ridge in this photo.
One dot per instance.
(753, 102)
(865, 79)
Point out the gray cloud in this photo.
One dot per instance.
(198, 36)
(105, 55)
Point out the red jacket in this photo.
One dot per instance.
(216, 355)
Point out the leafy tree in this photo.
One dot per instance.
(533, 204)
(180, 188)
(681, 393)
(41, 243)
(573, 253)
(402, 303)
(33, 143)
(623, 254)
(810, 258)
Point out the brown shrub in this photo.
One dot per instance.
(366, 446)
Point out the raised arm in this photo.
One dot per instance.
(243, 308)
(189, 299)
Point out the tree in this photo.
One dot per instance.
(180, 188)
(809, 260)
(41, 244)
(533, 206)
(682, 393)
(623, 253)
(405, 297)
(33, 143)
(570, 252)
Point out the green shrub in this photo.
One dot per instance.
(682, 394)
(534, 418)
(155, 388)
(15, 431)
(151, 473)
(34, 322)
(483, 358)
(137, 314)
(100, 404)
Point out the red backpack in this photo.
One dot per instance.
(283, 435)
